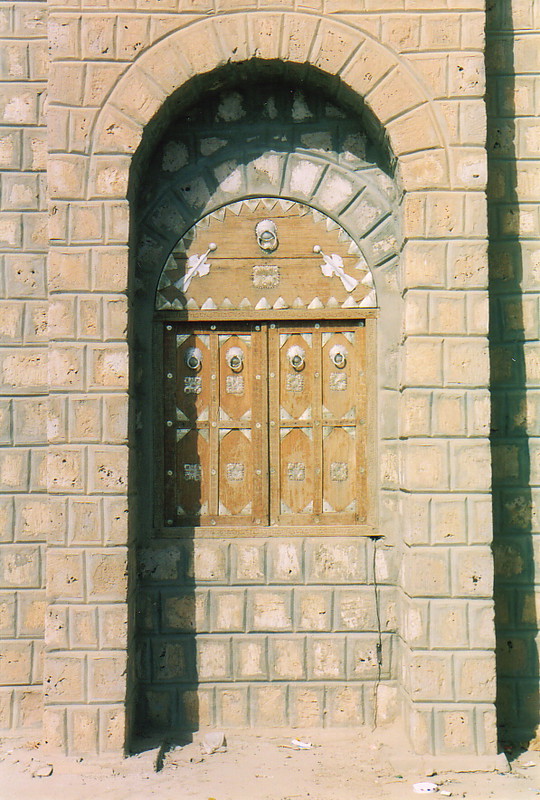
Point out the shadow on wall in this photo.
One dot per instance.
(514, 403)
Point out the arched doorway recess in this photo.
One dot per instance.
(257, 602)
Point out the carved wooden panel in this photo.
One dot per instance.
(265, 424)
(265, 253)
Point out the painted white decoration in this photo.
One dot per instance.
(197, 267)
(333, 265)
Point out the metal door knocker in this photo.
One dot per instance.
(235, 359)
(193, 358)
(266, 233)
(338, 355)
(296, 356)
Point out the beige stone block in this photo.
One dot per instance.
(466, 362)
(61, 318)
(23, 369)
(447, 313)
(10, 231)
(209, 562)
(473, 572)
(441, 31)
(249, 562)
(367, 68)
(89, 318)
(139, 99)
(36, 328)
(30, 421)
(66, 176)
(107, 677)
(468, 265)
(426, 573)
(298, 37)
(345, 705)
(264, 34)
(65, 579)
(106, 574)
(449, 413)
(20, 192)
(250, 659)
(424, 264)
(232, 707)
(306, 706)
(395, 95)
(532, 362)
(109, 366)
(228, 611)
(20, 567)
(54, 727)
(476, 678)
(313, 610)
(10, 149)
(449, 521)
(475, 215)
(413, 131)
(457, 731)
(86, 223)
(269, 706)
(116, 520)
(56, 627)
(108, 470)
(389, 465)
(84, 419)
(335, 46)
(115, 418)
(285, 562)
(287, 658)
(115, 132)
(7, 614)
(271, 611)
(16, 663)
(83, 631)
(326, 658)
(64, 36)
(401, 31)
(213, 659)
(470, 465)
(416, 312)
(97, 36)
(466, 74)
(444, 214)
(113, 626)
(336, 562)
(66, 369)
(68, 269)
(29, 708)
(64, 679)
(185, 612)
(18, 105)
(14, 469)
(31, 613)
(429, 677)
(83, 726)
(109, 269)
(415, 417)
(449, 625)
(117, 221)
(100, 78)
(38, 518)
(115, 318)
(109, 176)
(423, 362)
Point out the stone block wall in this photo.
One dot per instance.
(513, 61)
(25, 518)
(418, 64)
(267, 632)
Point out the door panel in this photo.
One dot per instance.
(265, 424)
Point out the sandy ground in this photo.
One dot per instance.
(262, 765)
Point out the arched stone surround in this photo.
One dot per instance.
(443, 216)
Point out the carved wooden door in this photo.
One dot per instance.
(265, 409)
(265, 423)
